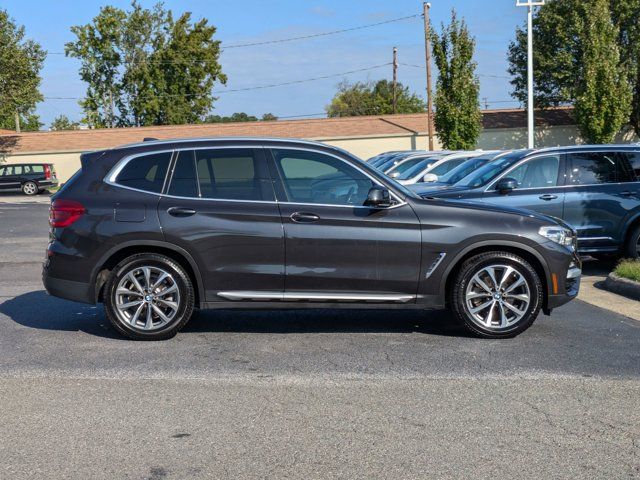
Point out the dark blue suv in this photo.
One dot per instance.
(595, 189)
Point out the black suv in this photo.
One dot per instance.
(156, 229)
(595, 189)
(31, 178)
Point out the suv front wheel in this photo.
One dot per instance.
(30, 188)
(497, 295)
(148, 297)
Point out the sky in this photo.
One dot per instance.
(491, 22)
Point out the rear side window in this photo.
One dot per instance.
(37, 168)
(231, 174)
(595, 168)
(146, 172)
(184, 182)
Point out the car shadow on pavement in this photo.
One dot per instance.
(41, 311)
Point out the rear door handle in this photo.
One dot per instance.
(547, 197)
(181, 212)
(302, 217)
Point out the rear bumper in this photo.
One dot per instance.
(67, 289)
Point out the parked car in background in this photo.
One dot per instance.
(458, 173)
(407, 163)
(373, 159)
(30, 178)
(595, 189)
(444, 164)
(381, 159)
(156, 229)
(392, 161)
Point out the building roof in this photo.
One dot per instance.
(317, 129)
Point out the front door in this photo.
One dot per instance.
(602, 192)
(9, 179)
(540, 186)
(220, 207)
(336, 248)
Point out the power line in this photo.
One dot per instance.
(257, 87)
(302, 37)
(479, 74)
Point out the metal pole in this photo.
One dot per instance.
(530, 118)
(395, 79)
(17, 118)
(427, 48)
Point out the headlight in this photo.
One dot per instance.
(563, 236)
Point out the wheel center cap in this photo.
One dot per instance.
(148, 298)
(497, 296)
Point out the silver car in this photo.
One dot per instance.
(428, 171)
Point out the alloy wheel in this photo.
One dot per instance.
(497, 297)
(147, 298)
(30, 188)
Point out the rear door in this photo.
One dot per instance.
(603, 191)
(336, 248)
(221, 208)
(540, 186)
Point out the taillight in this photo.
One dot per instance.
(47, 172)
(63, 213)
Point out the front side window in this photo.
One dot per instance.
(593, 168)
(537, 173)
(313, 177)
(231, 174)
(146, 172)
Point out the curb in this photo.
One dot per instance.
(622, 286)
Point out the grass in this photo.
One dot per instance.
(629, 269)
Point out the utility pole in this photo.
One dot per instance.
(486, 103)
(427, 48)
(530, 119)
(395, 79)
(17, 117)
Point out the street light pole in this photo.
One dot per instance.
(427, 49)
(530, 119)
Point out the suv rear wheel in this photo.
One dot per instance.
(148, 297)
(497, 295)
(30, 188)
(632, 247)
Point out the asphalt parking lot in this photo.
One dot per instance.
(305, 394)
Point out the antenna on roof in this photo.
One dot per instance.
(149, 139)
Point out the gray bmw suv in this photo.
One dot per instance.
(157, 229)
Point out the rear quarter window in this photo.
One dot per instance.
(146, 172)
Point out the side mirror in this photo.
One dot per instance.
(506, 185)
(395, 174)
(378, 197)
(430, 177)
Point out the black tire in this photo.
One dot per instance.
(178, 275)
(30, 188)
(632, 245)
(464, 276)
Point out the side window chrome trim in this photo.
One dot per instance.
(111, 177)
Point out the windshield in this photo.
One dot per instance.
(405, 165)
(489, 171)
(461, 171)
(448, 165)
(417, 168)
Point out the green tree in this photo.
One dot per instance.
(143, 67)
(20, 64)
(62, 122)
(369, 98)
(269, 117)
(559, 50)
(603, 93)
(457, 108)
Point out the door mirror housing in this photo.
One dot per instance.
(378, 197)
(506, 185)
(430, 177)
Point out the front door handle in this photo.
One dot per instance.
(547, 197)
(181, 212)
(302, 217)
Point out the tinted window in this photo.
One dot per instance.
(491, 170)
(311, 177)
(405, 165)
(418, 168)
(229, 174)
(146, 173)
(537, 173)
(184, 180)
(593, 168)
(629, 167)
(448, 166)
(17, 170)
